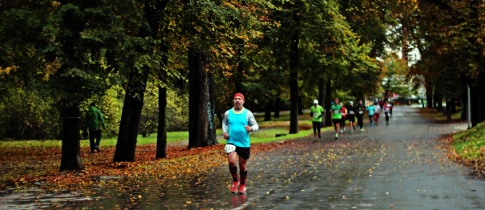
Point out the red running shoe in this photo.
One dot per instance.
(234, 187)
(242, 189)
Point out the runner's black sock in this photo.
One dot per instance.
(243, 175)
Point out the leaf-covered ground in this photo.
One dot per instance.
(24, 167)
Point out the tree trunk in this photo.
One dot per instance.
(238, 76)
(453, 105)
(464, 102)
(475, 101)
(481, 100)
(429, 98)
(449, 109)
(220, 117)
(202, 129)
(477, 97)
(405, 41)
(439, 101)
(295, 38)
(135, 91)
(162, 106)
(327, 105)
(130, 117)
(277, 106)
(300, 106)
(321, 97)
(71, 125)
(267, 110)
(211, 138)
(162, 123)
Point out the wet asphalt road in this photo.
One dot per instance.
(395, 166)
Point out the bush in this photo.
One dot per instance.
(26, 114)
(29, 115)
(176, 113)
(111, 105)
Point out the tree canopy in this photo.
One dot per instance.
(279, 53)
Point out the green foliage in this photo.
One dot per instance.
(371, 20)
(110, 103)
(80, 49)
(25, 114)
(176, 113)
(394, 71)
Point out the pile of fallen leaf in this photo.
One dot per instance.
(24, 167)
(477, 164)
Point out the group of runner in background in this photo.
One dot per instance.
(341, 113)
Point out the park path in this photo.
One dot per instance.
(397, 166)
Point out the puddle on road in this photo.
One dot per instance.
(36, 198)
(209, 192)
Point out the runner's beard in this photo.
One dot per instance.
(237, 106)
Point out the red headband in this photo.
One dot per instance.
(240, 95)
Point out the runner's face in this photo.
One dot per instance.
(238, 102)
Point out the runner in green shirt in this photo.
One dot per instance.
(335, 109)
(316, 112)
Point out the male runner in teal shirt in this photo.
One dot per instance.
(236, 125)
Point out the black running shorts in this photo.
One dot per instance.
(243, 152)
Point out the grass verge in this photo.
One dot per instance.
(267, 133)
(466, 147)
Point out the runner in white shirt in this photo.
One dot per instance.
(377, 112)
(387, 110)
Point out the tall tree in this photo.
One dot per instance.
(294, 40)
(162, 105)
(201, 101)
(72, 39)
(197, 22)
(456, 33)
(137, 80)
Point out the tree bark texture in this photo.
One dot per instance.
(267, 109)
(135, 91)
(277, 107)
(162, 123)
(295, 38)
(478, 100)
(130, 117)
(71, 125)
(162, 106)
(477, 85)
(202, 128)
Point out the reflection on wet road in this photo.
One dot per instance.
(395, 166)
